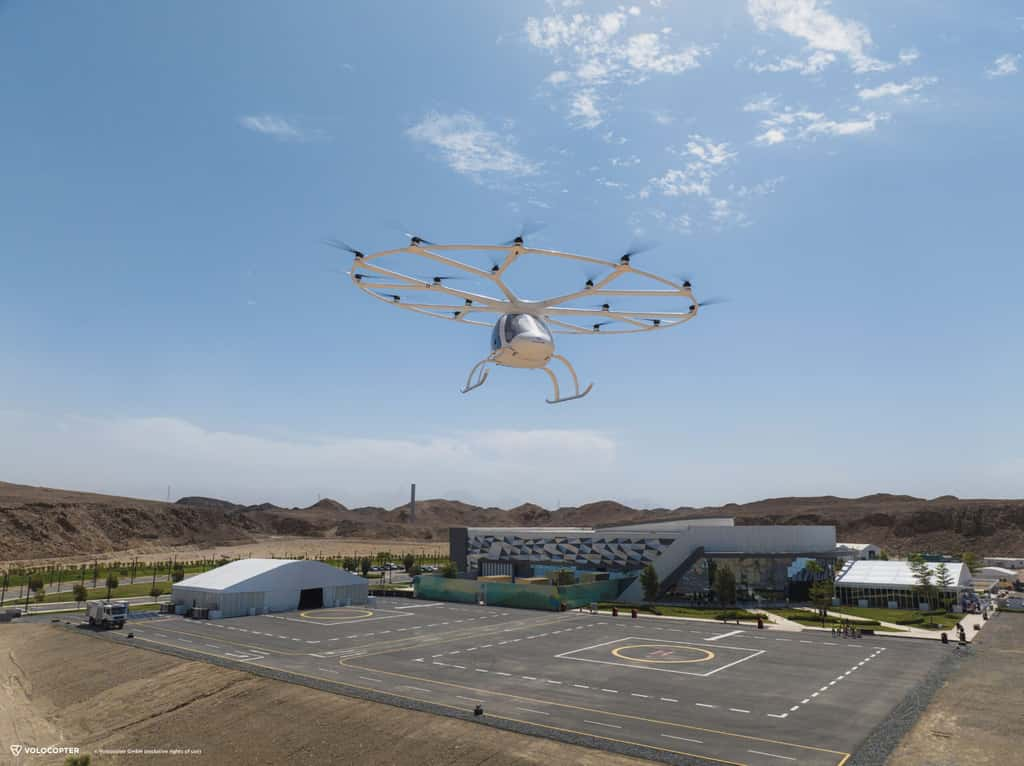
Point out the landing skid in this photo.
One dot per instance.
(478, 376)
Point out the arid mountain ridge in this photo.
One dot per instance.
(38, 522)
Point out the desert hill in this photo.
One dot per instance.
(37, 522)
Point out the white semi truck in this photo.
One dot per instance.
(107, 614)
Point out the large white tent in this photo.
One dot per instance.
(892, 583)
(258, 586)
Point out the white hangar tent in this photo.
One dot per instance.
(892, 584)
(257, 586)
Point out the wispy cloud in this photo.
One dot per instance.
(140, 456)
(705, 160)
(594, 51)
(788, 123)
(824, 33)
(896, 89)
(909, 55)
(1007, 64)
(470, 147)
(277, 127)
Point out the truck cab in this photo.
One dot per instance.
(107, 614)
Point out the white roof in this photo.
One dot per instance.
(998, 571)
(856, 546)
(248, 575)
(895, 574)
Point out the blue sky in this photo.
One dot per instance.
(848, 174)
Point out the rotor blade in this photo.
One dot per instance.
(528, 228)
(636, 247)
(712, 301)
(414, 239)
(359, 277)
(342, 245)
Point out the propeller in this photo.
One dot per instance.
(342, 245)
(710, 302)
(414, 239)
(686, 280)
(360, 277)
(392, 296)
(597, 327)
(655, 322)
(528, 228)
(635, 249)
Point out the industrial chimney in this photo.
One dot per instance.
(412, 505)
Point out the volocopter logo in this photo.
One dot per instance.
(17, 750)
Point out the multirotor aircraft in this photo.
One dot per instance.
(523, 335)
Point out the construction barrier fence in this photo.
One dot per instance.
(517, 595)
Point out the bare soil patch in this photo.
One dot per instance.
(977, 716)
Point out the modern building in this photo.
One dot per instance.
(685, 553)
(999, 574)
(891, 584)
(853, 551)
(258, 586)
(1010, 562)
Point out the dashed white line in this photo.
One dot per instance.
(772, 755)
(668, 699)
(374, 680)
(581, 686)
(738, 710)
(634, 694)
(468, 699)
(610, 691)
(599, 723)
(702, 704)
(684, 739)
(531, 710)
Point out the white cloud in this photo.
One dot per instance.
(895, 89)
(1007, 64)
(594, 51)
(909, 55)
(662, 118)
(783, 125)
(583, 109)
(762, 104)
(771, 136)
(813, 64)
(624, 162)
(760, 189)
(277, 127)
(141, 456)
(469, 147)
(810, 21)
(706, 160)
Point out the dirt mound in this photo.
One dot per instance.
(37, 522)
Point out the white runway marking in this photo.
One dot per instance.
(531, 710)
(772, 755)
(724, 635)
(599, 723)
(374, 680)
(684, 739)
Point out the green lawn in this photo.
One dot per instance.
(812, 620)
(908, 617)
(124, 591)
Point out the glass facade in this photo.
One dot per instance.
(882, 597)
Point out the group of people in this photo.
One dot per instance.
(845, 630)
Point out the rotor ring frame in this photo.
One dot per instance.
(549, 310)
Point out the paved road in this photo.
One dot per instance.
(726, 694)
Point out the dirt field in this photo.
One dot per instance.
(275, 546)
(977, 717)
(60, 688)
